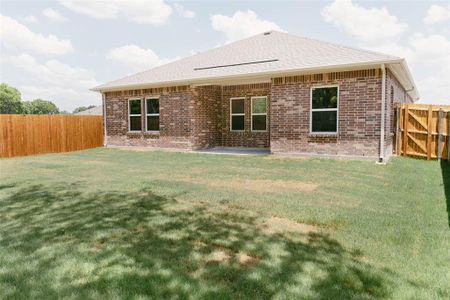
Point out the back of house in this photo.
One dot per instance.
(290, 94)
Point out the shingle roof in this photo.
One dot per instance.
(98, 110)
(271, 52)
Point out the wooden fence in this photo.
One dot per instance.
(32, 134)
(422, 131)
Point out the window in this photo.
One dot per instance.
(237, 114)
(152, 114)
(134, 115)
(259, 113)
(324, 109)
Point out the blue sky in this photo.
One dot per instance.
(57, 50)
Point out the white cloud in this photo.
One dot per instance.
(241, 25)
(15, 35)
(154, 12)
(437, 14)
(429, 50)
(186, 13)
(54, 72)
(30, 19)
(135, 57)
(429, 59)
(428, 55)
(65, 85)
(435, 88)
(53, 15)
(433, 48)
(367, 24)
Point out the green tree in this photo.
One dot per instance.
(10, 100)
(82, 108)
(41, 107)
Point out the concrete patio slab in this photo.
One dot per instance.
(235, 150)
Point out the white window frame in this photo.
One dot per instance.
(236, 114)
(257, 114)
(153, 114)
(133, 115)
(323, 109)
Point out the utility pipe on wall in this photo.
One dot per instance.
(383, 104)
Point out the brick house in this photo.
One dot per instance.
(289, 94)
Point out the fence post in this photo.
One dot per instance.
(429, 125)
(448, 136)
(396, 129)
(439, 135)
(405, 130)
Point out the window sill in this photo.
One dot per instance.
(323, 134)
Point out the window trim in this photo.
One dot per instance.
(257, 114)
(149, 115)
(134, 115)
(236, 114)
(323, 109)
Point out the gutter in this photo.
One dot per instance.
(383, 104)
(411, 80)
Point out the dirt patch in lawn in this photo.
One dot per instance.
(279, 225)
(225, 256)
(255, 185)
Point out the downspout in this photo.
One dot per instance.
(383, 104)
(105, 138)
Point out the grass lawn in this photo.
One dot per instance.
(109, 223)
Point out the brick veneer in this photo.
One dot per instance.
(358, 119)
(175, 129)
(198, 117)
(246, 138)
(206, 116)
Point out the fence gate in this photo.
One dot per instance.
(422, 131)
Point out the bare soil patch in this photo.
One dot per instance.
(255, 185)
(279, 225)
(221, 255)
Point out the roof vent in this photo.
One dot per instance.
(237, 64)
(267, 33)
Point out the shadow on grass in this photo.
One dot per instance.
(445, 167)
(60, 242)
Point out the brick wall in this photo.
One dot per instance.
(199, 117)
(206, 116)
(358, 118)
(246, 138)
(175, 130)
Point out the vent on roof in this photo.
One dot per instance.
(237, 64)
(267, 33)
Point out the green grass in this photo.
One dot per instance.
(108, 223)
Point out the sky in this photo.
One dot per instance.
(58, 50)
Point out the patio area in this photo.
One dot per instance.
(235, 150)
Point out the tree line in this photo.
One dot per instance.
(11, 103)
